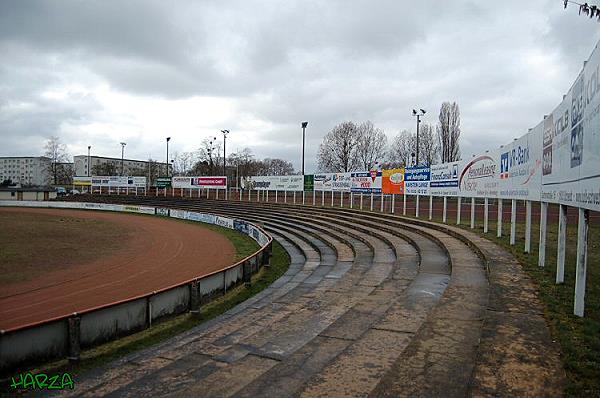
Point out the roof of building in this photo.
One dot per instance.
(24, 157)
(30, 189)
(109, 158)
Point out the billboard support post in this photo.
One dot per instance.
(371, 200)
(303, 198)
(314, 196)
(513, 222)
(276, 199)
(323, 198)
(404, 204)
(527, 226)
(444, 211)
(499, 223)
(472, 213)
(580, 273)
(417, 206)
(284, 196)
(351, 200)
(393, 203)
(342, 199)
(361, 200)
(381, 205)
(430, 207)
(542, 245)
(294, 197)
(562, 242)
(485, 215)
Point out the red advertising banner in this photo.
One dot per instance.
(200, 182)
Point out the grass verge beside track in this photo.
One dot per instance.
(579, 338)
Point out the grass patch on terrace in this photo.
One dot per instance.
(167, 328)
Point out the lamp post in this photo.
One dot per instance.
(122, 155)
(167, 159)
(304, 124)
(89, 168)
(225, 132)
(418, 115)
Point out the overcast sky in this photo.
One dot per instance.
(101, 72)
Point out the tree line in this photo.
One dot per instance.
(351, 146)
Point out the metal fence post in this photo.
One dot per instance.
(562, 243)
(513, 222)
(527, 226)
(444, 210)
(417, 206)
(472, 213)
(195, 298)
(430, 207)
(458, 208)
(581, 269)
(485, 215)
(499, 224)
(542, 244)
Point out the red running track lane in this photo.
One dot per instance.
(163, 252)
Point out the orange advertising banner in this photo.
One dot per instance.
(393, 181)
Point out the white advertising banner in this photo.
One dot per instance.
(571, 143)
(113, 181)
(479, 176)
(367, 181)
(520, 175)
(444, 179)
(339, 182)
(274, 183)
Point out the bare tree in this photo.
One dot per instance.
(57, 153)
(399, 154)
(210, 157)
(372, 144)
(183, 164)
(448, 132)
(339, 150)
(428, 146)
(277, 167)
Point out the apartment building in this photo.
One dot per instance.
(26, 170)
(111, 166)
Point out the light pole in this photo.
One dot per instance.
(167, 160)
(225, 132)
(304, 124)
(418, 115)
(211, 152)
(89, 168)
(122, 154)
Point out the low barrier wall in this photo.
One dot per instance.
(64, 336)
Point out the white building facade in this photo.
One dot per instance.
(26, 170)
(130, 166)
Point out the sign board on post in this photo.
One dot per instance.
(309, 182)
(163, 182)
(367, 182)
(338, 182)
(416, 180)
(274, 183)
(113, 181)
(443, 180)
(393, 181)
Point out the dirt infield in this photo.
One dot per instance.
(159, 253)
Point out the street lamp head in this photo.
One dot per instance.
(89, 147)
(123, 143)
(304, 124)
(414, 112)
(168, 139)
(225, 132)
(423, 111)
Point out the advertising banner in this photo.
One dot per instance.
(520, 174)
(571, 143)
(479, 177)
(309, 182)
(416, 180)
(338, 182)
(82, 181)
(392, 181)
(274, 183)
(118, 182)
(367, 181)
(443, 180)
(163, 182)
(200, 182)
